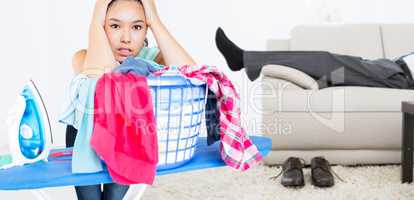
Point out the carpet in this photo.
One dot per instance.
(364, 182)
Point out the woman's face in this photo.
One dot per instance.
(125, 28)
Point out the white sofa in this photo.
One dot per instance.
(347, 125)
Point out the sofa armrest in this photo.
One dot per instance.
(289, 74)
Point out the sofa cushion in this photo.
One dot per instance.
(398, 39)
(316, 131)
(336, 99)
(362, 40)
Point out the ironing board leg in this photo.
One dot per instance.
(40, 195)
(137, 192)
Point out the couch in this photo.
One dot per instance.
(348, 125)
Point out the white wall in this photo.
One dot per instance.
(39, 37)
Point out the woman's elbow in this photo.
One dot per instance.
(78, 60)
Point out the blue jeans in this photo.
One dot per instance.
(111, 191)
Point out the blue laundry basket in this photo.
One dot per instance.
(179, 105)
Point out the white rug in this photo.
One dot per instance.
(368, 182)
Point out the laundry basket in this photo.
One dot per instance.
(179, 105)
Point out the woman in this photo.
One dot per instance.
(117, 31)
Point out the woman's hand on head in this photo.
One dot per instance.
(99, 13)
(151, 14)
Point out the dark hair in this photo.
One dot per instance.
(138, 1)
(113, 1)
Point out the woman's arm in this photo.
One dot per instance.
(99, 55)
(171, 51)
(78, 60)
(159, 59)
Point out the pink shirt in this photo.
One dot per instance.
(124, 134)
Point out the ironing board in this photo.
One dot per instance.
(57, 171)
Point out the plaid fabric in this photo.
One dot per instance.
(237, 150)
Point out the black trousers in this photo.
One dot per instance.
(111, 191)
(333, 69)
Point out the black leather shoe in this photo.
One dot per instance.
(292, 173)
(321, 172)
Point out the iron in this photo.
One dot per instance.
(29, 130)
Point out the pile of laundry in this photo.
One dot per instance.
(105, 111)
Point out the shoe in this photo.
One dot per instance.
(292, 173)
(321, 172)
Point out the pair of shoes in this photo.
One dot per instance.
(322, 174)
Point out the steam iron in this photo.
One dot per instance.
(29, 129)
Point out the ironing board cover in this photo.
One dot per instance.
(57, 172)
